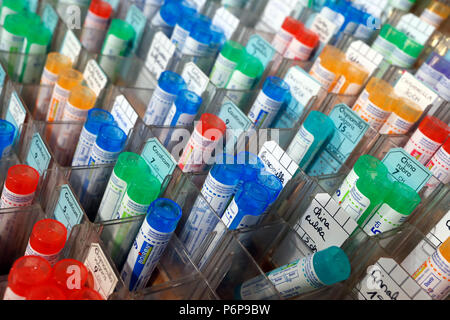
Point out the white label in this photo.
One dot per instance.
(222, 70)
(159, 54)
(431, 18)
(409, 87)
(264, 111)
(48, 78)
(302, 86)
(396, 125)
(124, 114)
(158, 107)
(225, 20)
(51, 258)
(322, 75)
(193, 47)
(276, 11)
(240, 81)
(105, 279)
(195, 79)
(439, 165)
(324, 224)
(347, 185)
(57, 103)
(281, 41)
(230, 214)
(10, 199)
(130, 208)
(421, 147)
(101, 156)
(217, 194)
(71, 46)
(298, 51)
(111, 198)
(383, 220)
(178, 38)
(95, 77)
(11, 295)
(363, 55)
(355, 203)
(323, 27)
(16, 113)
(84, 147)
(300, 144)
(181, 119)
(415, 28)
(370, 112)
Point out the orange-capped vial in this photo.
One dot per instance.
(81, 100)
(435, 13)
(46, 291)
(374, 104)
(304, 42)
(67, 80)
(427, 139)
(284, 36)
(434, 274)
(404, 114)
(47, 239)
(326, 67)
(352, 78)
(26, 272)
(56, 62)
(85, 294)
(20, 186)
(69, 275)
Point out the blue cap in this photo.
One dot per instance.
(226, 171)
(111, 138)
(163, 215)
(218, 36)
(272, 184)
(171, 82)
(252, 165)
(201, 32)
(7, 133)
(188, 102)
(187, 20)
(331, 265)
(96, 118)
(251, 199)
(170, 12)
(276, 88)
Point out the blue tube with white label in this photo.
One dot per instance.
(252, 166)
(151, 241)
(199, 39)
(269, 101)
(7, 134)
(95, 119)
(168, 15)
(165, 94)
(218, 39)
(182, 29)
(272, 185)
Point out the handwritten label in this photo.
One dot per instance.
(363, 55)
(235, 120)
(324, 224)
(261, 49)
(50, 18)
(225, 20)
(405, 168)
(159, 159)
(67, 210)
(160, 54)
(124, 114)
(277, 161)
(105, 279)
(196, 80)
(323, 27)
(386, 280)
(38, 156)
(415, 28)
(137, 19)
(95, 77)
(198, 4)
(413, 89)
(276, 11)
(16, 113)
(71, 46)
(350, 129)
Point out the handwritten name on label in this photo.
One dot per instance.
(225, 20)
(67, 210)
(405, 168)
(137, 19)
(277, 161)
(16, 114)
(324, 224)
(303, 86)
(323, 27)
(71, 46)
(95, 77)
(196, 80)
(276, 11)
(105, 280)
(38, 156)
(261, 49)
(415, 28)
(235, 120)
(386, 280)
(363, 55)
(410, 87)
(50, 18)
(159, 159)
(160, 54)
(124, 114)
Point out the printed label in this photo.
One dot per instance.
(298, 51)
(159, 159)
(158, 107)
(439, 165)
(197, 151)
(71, 46)
(395, 125)
(355, 203)
(370, 112)
(196, 80)
(57, 102)
(276, 11)
(67, 210)
(196, 48)
(16, 113)
(95, 77)
(347, 185)
(38, 156)
(323, 27)
(10, 199)
(431, 18)
(230, 214)
(136, 18)
(124, 114)
(261, 49)
(264, 111)
(421, 147)
(383, 220)
(130, 208)
(235, 120)
(281, 41)
(300, 144)
(411, 88)
(415, 28)
(51, 258)
(160, 54)
(363, 55)
(112, 197)
(322, 75)
(240, 81)
(225, 20)
(222, 70)
(84, 146)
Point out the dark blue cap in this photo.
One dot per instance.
(96, 118)
(171, 82)
(163, 215)
(7, 133)
(276, 88)
(188, 102)
(111, 138)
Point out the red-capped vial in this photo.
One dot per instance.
(198, 151)
(302, 45)
(46, 291)
(95, 25)
(26, 273)
(20, 186)
(69, 275)
(284, 36)
(427, 139)
(47, 240)
(439, 166)
(85, 294)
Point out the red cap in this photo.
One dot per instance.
(46, 291)
(210, 121)
(85, 294)
(307, 37)
(101, 8)
(434, 129)
(48, 236)
(27, 272)
(446, 145)
(68, 277)
(22, 179)
(291, 25)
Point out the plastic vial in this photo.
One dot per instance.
(266, 106)
(433, 69)
(427, 139)
(108, 145)
(399, 203)
(13, 33)
(203, 141)
(317, 129)
(11, 7)
(272, 185)
(226, 63)
(20, 186)
(434, 274)
(218, 39)
(85, 294)
(385, 42)
(47, 239)
(352, 77)
(7, 134)
(435, 13)
(285, 34)
(252, 166)
(95, 25)
(165, 94)
(304, 42)
(199, 39)
(326, 67)
(95, 119)
(439, 165)
(69, 275)
(151, 241)
(182, 29)
(46, 291)
(365, 165)
(323, 268)
(67, 80)
(406, 52)
(26, 272)
(128, 166)
(167, 17)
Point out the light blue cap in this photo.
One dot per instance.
(226, 171)
(163, 215)
(276, 88)
(7, 133)
(272, 184)
(171, 82)
(188, 102)
(331, 265)
(111, 138)
(96, 118)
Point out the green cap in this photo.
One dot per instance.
(39, 35)
(391, 34)
(129, 165)
(232, 50)
(250, 66)
(144, 188)
(402, 198)
(16, 24)
(411, 48)
(122, 30)
(367, 164)
(15, 5)
(33, 19)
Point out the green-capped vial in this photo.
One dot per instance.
(12, 42)
(128, 166)
(226, 63)
(33, 18)
(366, 164)
(398, 204)
(11, 7)
(403, 5)
(386, 40)
(406, 53)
